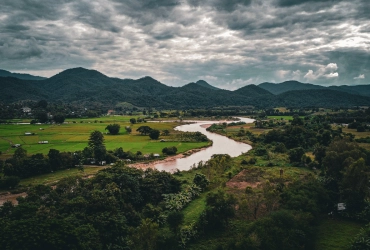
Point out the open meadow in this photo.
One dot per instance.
(74, 134)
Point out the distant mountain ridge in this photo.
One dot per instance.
(205, 84)
(81, 85)
(279, 88)
(5, 73)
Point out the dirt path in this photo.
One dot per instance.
(11, 197)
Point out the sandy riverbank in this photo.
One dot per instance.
(151, 164)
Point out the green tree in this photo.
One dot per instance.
(355, 185)
(144, 130)
(55, 159)
(219, 209)
(113, 129)
(96, 139)
(42, 117)
(128, 129)
(201, 180)
(174, 220)
(154, 134)
(96, 143)
(295, 154)
(59, 118)
(169, 150)
(132, 120)
(145, 236)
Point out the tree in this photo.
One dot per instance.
(355, 185)
(175, 219)
(42, 117)
(59, 118)
(96, 143)
(200, 180)
(295, 154)
(219, 208)
(154, 134)
(169, 150)
(55, 160)
(145, 236)
(42, 104)
(144, 130)
(132, 120)
(128, 129)
(113, 129)
(96, 139)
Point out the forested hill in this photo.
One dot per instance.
(279, 88)
(4, 73)
(80, 85)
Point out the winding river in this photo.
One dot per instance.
(221, 145)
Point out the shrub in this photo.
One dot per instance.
(169, 150)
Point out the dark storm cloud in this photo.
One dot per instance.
(351, 63)
(227, 43)
(221, 5)
(288, 3)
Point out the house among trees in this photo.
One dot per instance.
(26, 110)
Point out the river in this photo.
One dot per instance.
(221, 145)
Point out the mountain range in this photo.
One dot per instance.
(4, 73)
(81, 85)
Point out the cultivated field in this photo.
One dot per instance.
(74, 136)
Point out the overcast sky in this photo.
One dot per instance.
(228, 43)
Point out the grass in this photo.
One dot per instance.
(336, 234)
(355, 133)
(194, 209)
(282, 117)
(47, 179)
(74, 136)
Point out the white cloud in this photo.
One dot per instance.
(238, 83)
(361, 76)
(328, 71)
(332, 75)
(310, 75)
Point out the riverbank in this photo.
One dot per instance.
(152, 164)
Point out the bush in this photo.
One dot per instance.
(169, 150)
(9, 182)
(260, 151)
(201, 181)
(113, 129)
(154, 134)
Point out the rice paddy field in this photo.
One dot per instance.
(74, 135)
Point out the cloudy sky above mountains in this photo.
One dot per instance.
(228, 43)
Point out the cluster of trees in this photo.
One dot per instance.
(192, 136)
(120, 208)
(24, 166)
(146, 130)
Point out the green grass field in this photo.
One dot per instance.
(282, 117)
(336, 234)
(74, 136)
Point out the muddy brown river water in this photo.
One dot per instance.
(221, 145)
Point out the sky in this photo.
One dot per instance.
(228, 43)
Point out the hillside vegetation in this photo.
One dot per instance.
(80, 85)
